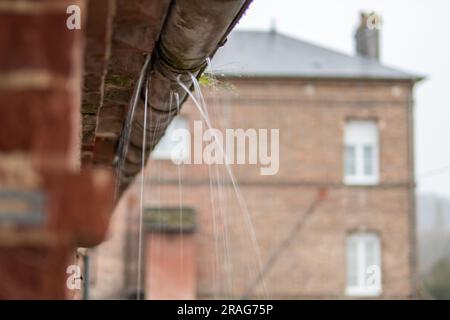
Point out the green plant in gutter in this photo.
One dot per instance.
(207, 80)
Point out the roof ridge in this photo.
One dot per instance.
(321, 62)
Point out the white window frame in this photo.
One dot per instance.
(369, 277)
(165, 149)
(360, 134)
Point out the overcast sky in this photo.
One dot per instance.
(415, 38)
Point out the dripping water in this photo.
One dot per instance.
(142, 185)
(125, 137)
(201, 107)
(219, 192)
(180, 190)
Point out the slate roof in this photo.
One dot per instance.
(271, 54)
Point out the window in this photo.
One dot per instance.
(175, 144)
(361, 153)
(363, 265)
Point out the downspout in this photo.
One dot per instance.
(192, 32)
(412, 197)
(86, 275)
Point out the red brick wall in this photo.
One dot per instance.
(40, 62)
(40, 91)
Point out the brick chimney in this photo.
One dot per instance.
(368, 36)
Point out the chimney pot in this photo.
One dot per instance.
(368, 36)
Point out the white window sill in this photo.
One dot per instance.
(363, 292)
(358, 181)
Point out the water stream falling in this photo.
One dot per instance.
(218, 205)
(199, 102)
(145, 184)
(141, 204)
(180, 189)
(216, 192)
(125, 138)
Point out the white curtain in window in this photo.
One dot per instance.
(361, 152)
(363, 264)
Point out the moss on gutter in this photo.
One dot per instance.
(119, 80)
(89, 108)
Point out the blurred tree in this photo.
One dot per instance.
(437, 281)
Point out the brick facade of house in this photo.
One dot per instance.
(311, 116)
